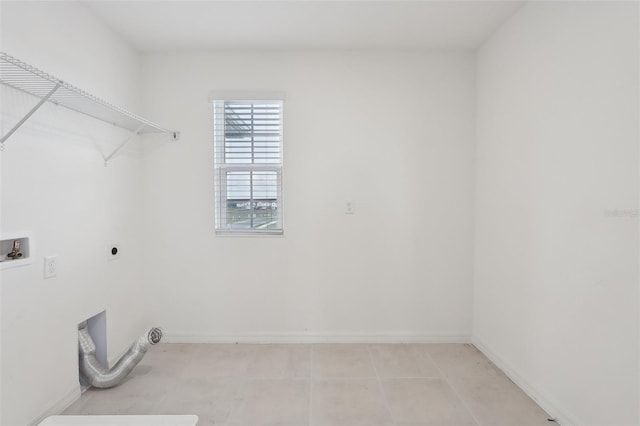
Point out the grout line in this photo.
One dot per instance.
(384, 395)
(310, 382)
(236, 400)
(453, 389)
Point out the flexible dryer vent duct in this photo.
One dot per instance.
(101, 377)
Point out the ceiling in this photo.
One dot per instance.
(160, 25)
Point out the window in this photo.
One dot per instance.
(248, 166)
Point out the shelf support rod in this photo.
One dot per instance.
(115, 151)
(29, 114)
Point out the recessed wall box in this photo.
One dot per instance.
(16, 249)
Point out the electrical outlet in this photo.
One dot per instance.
(50, 266)
(349, 208)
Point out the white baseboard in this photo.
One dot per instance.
(534, 392)
(177, 337)
(59, 406)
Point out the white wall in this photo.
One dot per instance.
(556, 270)
(555, 298)
(392, 131)
(54, 184)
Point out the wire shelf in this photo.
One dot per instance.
(26, 78)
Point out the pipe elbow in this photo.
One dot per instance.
(101, 377)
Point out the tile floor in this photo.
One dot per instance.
(319, 385)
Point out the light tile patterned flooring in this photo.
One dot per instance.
(319, 385)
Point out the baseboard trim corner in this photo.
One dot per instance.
(534, 392)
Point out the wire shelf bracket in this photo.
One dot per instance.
(28, 79)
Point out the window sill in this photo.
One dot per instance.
(246, 233)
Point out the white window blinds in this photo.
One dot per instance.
(248, 166)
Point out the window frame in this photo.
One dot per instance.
(222, 168)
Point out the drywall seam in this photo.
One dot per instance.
(72, 395)
(178, 337)
(562, 416)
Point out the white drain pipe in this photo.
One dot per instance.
(101, 377)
